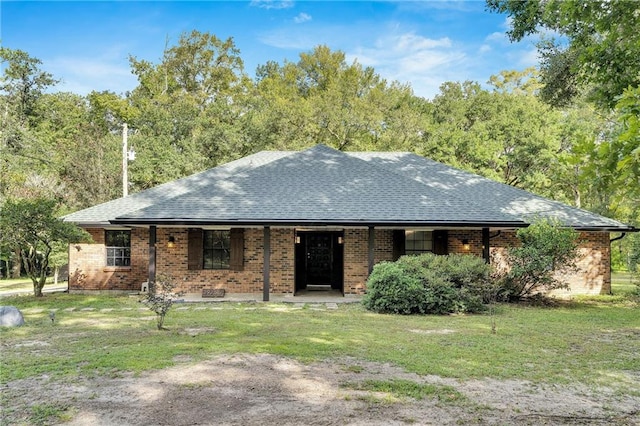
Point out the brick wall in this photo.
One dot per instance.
(356, 260)
(282, 278)
(356, 256)
(249, 280)
(88, 271)
(88, 264)
(474, 238)
(593, 272)
(383, 246)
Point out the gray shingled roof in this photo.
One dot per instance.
(102, 214)
(324, 186)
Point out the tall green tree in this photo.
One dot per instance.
(23, 82)
(32, 227)
(598, 48)
(628, 144)
(323, 99)
(25, 163)
(189, 109)
(507, 135)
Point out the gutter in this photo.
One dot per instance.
(312, 223)
(624, 234)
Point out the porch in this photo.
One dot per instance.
(303, 297)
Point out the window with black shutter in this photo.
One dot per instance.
(216, 247)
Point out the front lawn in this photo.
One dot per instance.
(595, 341)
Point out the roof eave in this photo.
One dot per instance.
(307, 222)
(606, 229)
(87, 224)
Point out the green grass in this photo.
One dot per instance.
(46, 414)
(406, 388)
(622, 283)
(21, 284)
(595, 341)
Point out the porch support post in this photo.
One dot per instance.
(372, 240)
(152, 258)
(485, 245)
(266, 263)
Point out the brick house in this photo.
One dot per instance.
(286, 222)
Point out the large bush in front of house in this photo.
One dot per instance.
(428, 284)
(546, 251)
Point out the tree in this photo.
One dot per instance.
(506, 134)
(31, 226)
(628, 145)
(545, 250)
(160, 298)
(23, 81)
(189, 109)
(598, 48)
(24, 158)
(323, 99)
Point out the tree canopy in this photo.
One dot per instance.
(31, 226)
(196, 108)
(597, 48)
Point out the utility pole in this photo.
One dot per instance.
(125, 160)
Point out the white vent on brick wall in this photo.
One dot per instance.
(145, 287)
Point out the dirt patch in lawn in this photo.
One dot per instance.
(267, 389)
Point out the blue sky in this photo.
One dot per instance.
(87, 44)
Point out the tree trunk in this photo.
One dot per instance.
(38, 284)
(56, 271)
(37, 289)
(16, 263)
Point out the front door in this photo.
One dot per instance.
(319, 260)
(319, 251)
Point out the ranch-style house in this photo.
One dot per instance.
(286, 222)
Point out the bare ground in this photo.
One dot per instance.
(267, 389)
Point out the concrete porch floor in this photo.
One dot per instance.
(305, 296)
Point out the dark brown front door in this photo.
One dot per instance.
(319, 260)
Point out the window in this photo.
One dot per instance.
(216, 249)
(418, 242)
(118, 248)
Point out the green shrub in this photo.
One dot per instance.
(466, 271)
(545, 249)
(441, 297)
(391, 290)
(428, 284)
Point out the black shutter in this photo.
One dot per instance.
(236, 261)
(195, 250)
(398, 243)
(440, 242)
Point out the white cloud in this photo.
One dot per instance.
(529, 58)
(496, 37)
(410, 55)
(411, 58)
(289, 39)
(272, 4)
(410, 42)
(302, 17)
(303, 37)
(82, 75)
